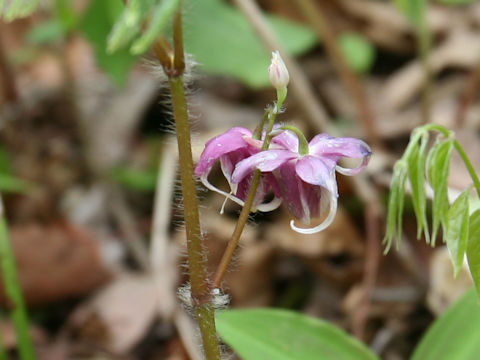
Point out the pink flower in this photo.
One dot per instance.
(230, 148)
(307, 181)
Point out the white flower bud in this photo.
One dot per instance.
(278, 72)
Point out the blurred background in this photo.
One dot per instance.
(88, 166)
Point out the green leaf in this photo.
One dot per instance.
(455, 335)
(138, 180)
(414, 10)
(129, 24)
(66, 14)
(15, 9)
(395, 205)
(161, 15)
(45, 33)
(260, 334)
(96, 26)
(473, 250)
(456, 2)
(438, 168)
(456, 226)
(416, 168)
(12, 184)
(358, 51)
(223, 42)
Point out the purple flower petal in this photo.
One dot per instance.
(317, 171)
(225, 143)
(326, 146)
(287, 140)
(265, 161)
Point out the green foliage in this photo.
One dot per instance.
(134, 179)
(438, 168)
(96, 25)
(224, 42)
(456, 230)
(46, 32)
(128, 24)
(358, 51)
(455, 334)
(8, 182)
(13, 292)
(161, 14)
(414, 10)
(456, 2)
(473, 249)
(416, 165)
(421, 164)
(259, 334)
(14, 9)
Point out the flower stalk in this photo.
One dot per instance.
(270, 115)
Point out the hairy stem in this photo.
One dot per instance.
(13, 293)
(201, 296)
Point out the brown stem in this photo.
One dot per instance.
(324, 31)
(10, 93)
(471, 91)
(271, 115)
(201, 296)
(372, 258)
(237, 232)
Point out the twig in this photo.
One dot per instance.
(126, 223)
(10, 93)
(471, 91)
(320, 24)
(299, 83)
(372, 259)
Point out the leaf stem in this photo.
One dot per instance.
(13, 292)
(469, 166)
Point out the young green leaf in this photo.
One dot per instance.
(473, 250)
(416, 168)
(456, 226)
(15, 9)
(259, 334)
(96, 25)
(395, 205)
(161, 14)
(438, 167)
(454, 335)
(129, 23)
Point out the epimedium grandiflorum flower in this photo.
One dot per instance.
(305, 173)
(230, 148)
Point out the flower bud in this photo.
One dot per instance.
(278, 72)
